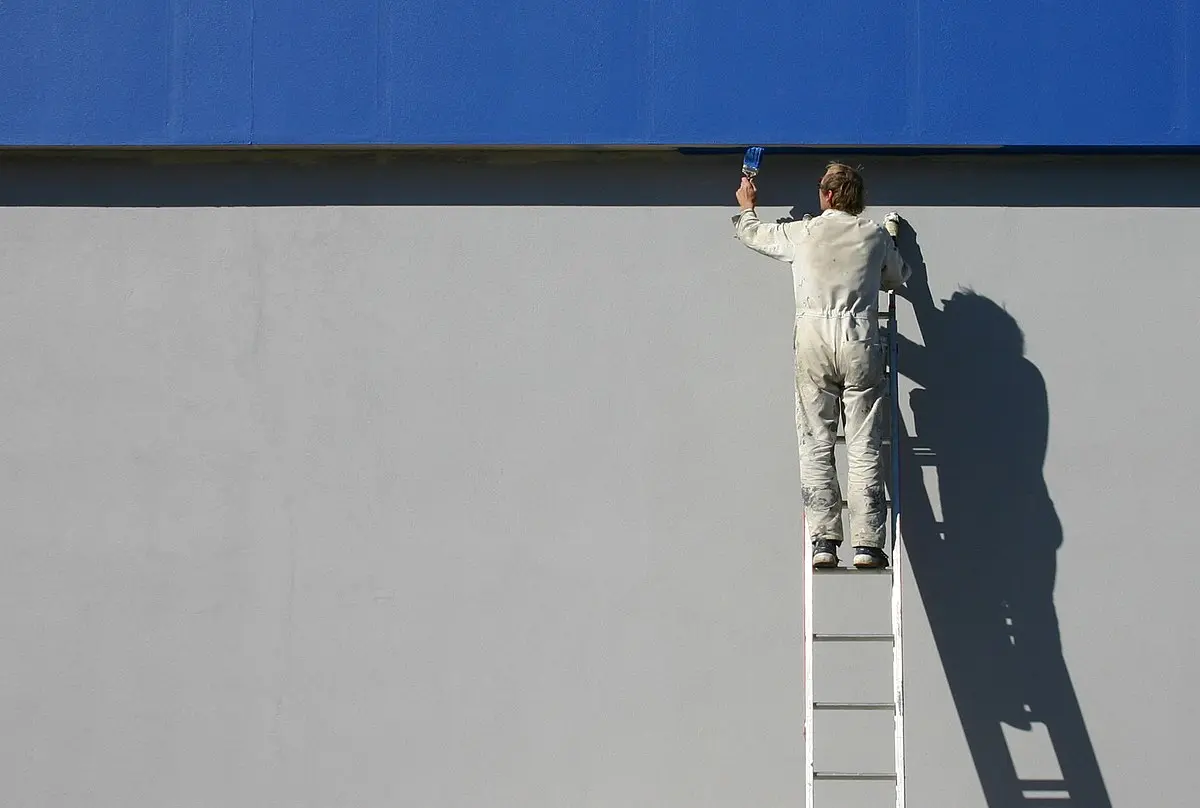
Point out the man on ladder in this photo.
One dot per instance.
(840, 262)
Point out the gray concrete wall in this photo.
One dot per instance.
(470, 481)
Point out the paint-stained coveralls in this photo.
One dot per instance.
(840, 262)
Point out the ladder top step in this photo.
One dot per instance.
(852, 571)
(852, 637)
(854, 705)
(853, 776)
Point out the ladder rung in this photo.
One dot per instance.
(852, 637)
(842, 439)
(852, 571)
(853, 776)
(887, 503)
(854, 705)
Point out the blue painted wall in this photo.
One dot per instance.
(540, 72)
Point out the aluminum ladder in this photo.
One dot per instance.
(887, 331)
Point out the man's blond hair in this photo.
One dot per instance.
(846, 185)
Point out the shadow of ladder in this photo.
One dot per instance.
(1002, 783)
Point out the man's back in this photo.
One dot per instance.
(840, 261)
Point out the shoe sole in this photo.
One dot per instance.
(825, 560)
(864, 562)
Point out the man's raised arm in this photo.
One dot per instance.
(768, 238)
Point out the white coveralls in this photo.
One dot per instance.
(839, 264)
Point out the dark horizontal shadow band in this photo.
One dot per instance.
(645, 178)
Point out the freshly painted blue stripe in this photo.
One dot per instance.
(539, 71)
(317, 72)
(1024, 73)
(76, 72)
(209, 66)
(1064, 72)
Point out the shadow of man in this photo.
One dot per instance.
(986, 570)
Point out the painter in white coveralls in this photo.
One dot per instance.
(840, 261)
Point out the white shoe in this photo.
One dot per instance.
(868, 557)
(891, 223)
(824, 553)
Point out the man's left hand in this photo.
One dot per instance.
(747, 194)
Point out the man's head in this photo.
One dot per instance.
(842, 189)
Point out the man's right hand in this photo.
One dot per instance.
(747, 194)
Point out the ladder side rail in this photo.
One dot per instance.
(897, 549)
(809, 749)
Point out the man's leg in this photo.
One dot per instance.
(817, 408)
(865, 405)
